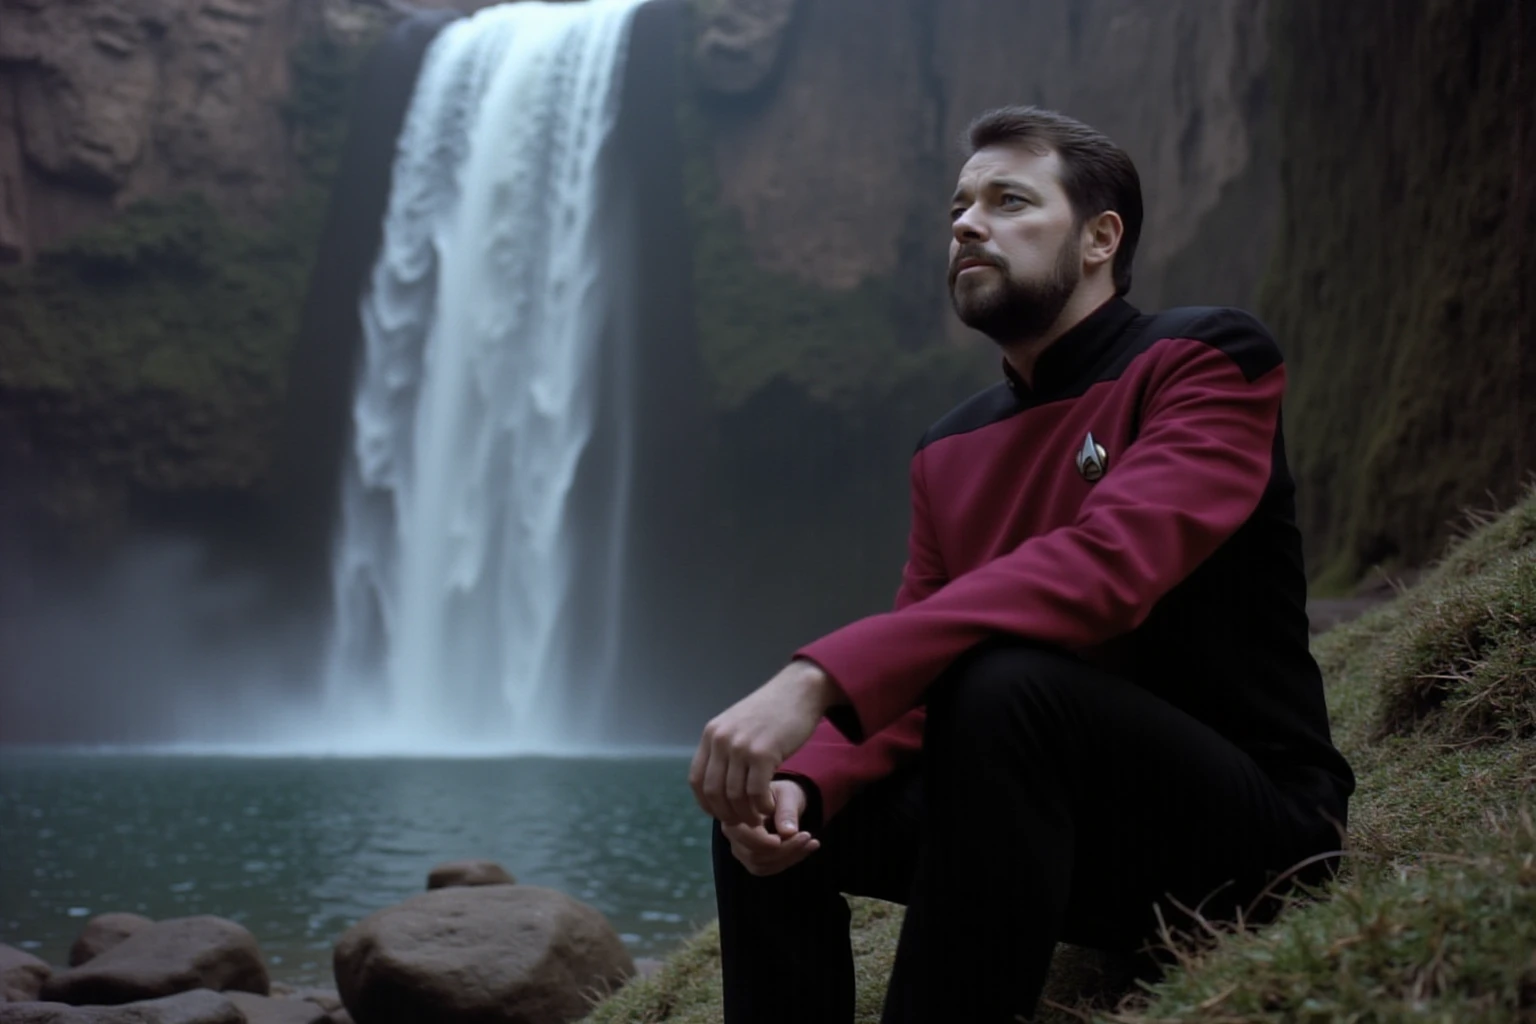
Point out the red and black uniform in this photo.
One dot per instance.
(1100, 643)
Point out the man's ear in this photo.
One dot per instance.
(1101, 239)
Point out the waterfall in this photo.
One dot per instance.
(476, 579)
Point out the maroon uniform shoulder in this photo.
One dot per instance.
(1238, 334)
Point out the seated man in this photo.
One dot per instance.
(1094, 700)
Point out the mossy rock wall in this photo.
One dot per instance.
(815, 397)
(144, 363)
(1401, 284)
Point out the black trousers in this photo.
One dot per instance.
(1052, 802)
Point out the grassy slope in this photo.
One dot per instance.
(1434, 700)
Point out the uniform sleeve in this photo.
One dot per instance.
(1195, 473)
(835, 766)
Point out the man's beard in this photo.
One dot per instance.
(1014, 310)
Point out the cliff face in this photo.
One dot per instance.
(107, 102)
(164, 166)
(837, 127)
(1401, 283)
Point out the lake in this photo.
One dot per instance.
(297, 850)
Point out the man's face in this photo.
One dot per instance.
(1014, 255)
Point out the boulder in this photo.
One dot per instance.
(102, 932)
(506, 954)
(171, 956)
(37, 1013)
(199, 1006)
(468, 873)
(325, 998)
(266, 1010)
(21, 975)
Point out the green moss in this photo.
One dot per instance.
(1396, 284)
(147, 357)
(317, 106)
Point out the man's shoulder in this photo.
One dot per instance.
(982, 409)
(1237, 333)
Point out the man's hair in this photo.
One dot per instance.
(1096, 174)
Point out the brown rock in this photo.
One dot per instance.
(102, 932)
(739, 41)
(468, 873)
(21, 975)
(508, 954)
(823, 170)
(171, 956)
(266, 1010)
(37, 1013)
(196, 1007)
(325, 998)
(840, 169)
(117, 100)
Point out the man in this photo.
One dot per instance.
(1094, 702)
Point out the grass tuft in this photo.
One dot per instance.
(1463, 662)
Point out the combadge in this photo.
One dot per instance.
(1092, 460)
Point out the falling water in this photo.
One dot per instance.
(490, 323)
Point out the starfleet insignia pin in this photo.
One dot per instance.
(1092, 460)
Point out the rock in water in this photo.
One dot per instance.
(197, 1007)
(21, 975)
(172, 956)
(468, 873)
(327, 999)
(264, 1010)
(37, 1013)
(508, 954)
(102, 932)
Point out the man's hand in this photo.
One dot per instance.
(776, 844)
(745, 744)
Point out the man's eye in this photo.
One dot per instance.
(955, 212)
(1010, 199)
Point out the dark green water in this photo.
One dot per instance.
(298, 849)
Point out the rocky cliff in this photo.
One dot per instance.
(835, 134)
(164, 166)
(164, 170)
(1401, 282)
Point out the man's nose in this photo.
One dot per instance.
(968, 227)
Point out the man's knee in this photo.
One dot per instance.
(1002, 687)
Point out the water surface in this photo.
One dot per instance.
(297, 850)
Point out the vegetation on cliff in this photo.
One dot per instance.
(1400, 280)
(147, 358)
(1433, 698)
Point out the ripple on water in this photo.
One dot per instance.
(304, 848)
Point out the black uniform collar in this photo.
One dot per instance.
(1073, 355)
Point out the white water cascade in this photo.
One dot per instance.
(490, 325)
